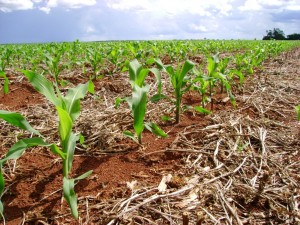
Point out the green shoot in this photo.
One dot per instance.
(297, 109)
(178, 82)
(68, 110)
(6, 82)
(138, 101)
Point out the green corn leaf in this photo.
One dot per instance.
(129, 134)
(212, 65)
(57, 151)
(91, 87)
(155, 129)
(70, 195)
(150, 61)
(187, 66)
(72, 100)
(18, 148)
(157, 97)
(166, 118)
(85, 175)
(141, 77)
(157, 75)
(297, 109)
(68, 139)
(137, 74)
(240, 75)
(119, 101)
(170, 70)
(6, 82)
(2, 187)
(1, 209)
(69, 150)
(173, 76)
(134, 69)
(65, 124)
(138, 102)
(16, 151)
(17, 120)
(232, 99)
(43, 86)
(159, 64)
(202, 110)
(81, 139)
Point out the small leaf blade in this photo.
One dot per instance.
(202, 110)
(155, 129)
(43, 86)
(17, 120)
(70, 195)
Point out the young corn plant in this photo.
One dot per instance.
(5, 82)
(215, 72)
(297, 109)
(114, 58)
(68, 110)
(201, 84)
(5, 58)
(54, 67)
(240, 75)
(212, 73)
(95, 58)
(178, 82)
(138, 101)
(224, 72)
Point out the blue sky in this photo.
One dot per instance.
(26, 21)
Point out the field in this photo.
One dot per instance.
(150, 132)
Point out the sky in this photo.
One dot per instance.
(31, 21)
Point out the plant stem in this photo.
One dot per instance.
(211, 99)
(140, 138)
(178, 103)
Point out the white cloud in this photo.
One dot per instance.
(43, 5)
(10, 5)
(68, 4)
(90, 29)
(196, 7)
(128, 4)
(45, 9)
(200, 28)
(256, 5)
(251, 5)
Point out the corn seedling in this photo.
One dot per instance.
(239, 74)
(95, 59)
(5, 58)
(114, 59)
(297, 109)
(138, 101)
(68, 110)
(5, 83)
(178, 81)
(223, 71)
(201, 84)
(54, 67)
(212, 76)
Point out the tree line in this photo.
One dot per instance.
(278, 34)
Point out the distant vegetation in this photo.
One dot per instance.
(277, 34)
